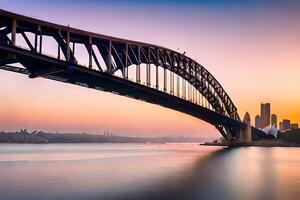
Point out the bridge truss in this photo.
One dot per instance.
(165, 71)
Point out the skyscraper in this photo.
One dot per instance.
(262, 114)
(265, 112)
(274, 120)
(286, 124)
(281, 126)
(258, 122)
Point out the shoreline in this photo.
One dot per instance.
(250, 145)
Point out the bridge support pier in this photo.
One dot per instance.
(244, 133)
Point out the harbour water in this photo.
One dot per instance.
(147, 171)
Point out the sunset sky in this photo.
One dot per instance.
(251, 47)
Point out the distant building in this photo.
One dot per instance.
(265, 112)
(262, 114)
(274, 120)
(294, 126)
(281, 126)
(258, 122)
(286, 124)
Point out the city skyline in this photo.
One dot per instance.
(266, 119)
(27, 109)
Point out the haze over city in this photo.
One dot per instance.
(252, 48)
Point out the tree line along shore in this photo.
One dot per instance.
(40, 137)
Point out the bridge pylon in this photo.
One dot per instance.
(244, 134)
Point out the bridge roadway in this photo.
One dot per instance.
(37, 64)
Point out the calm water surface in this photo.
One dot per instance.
(147, 171)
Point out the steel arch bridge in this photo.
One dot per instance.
(172, 79)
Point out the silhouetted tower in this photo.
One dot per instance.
(262, 114)
(281, 126)
(258, 122)
(265, 112)
(274, 120)
(286, 123)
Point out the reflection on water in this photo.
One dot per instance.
(147, 171)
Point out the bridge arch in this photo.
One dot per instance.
(184, 67)
(111, 56)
